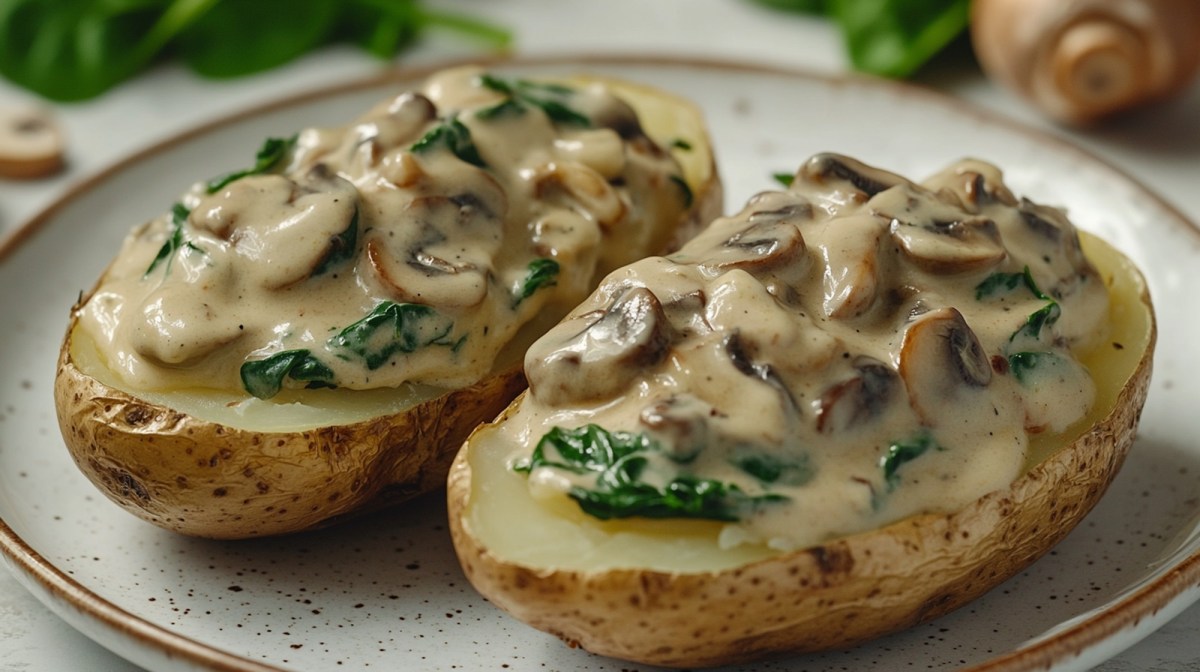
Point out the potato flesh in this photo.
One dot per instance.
(514, 528)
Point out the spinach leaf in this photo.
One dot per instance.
(775, 469)
(1022, 364)
(264, 378)
(452, 135)
(542, 273)
(997, 282)
(1042, 317)
(618, 460)
(270, 155)
(391, 328)
(70, 50)
(175, 241)
(268, 33)
(786, 179)
(901, 453)
(892, 38)
(549, 97)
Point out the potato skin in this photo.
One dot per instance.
(206, 479)
(836, 595)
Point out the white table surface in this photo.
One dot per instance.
(1160, 148)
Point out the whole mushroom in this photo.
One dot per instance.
(1081, 60)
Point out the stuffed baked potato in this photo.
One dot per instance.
(315, 336)
(854, 406)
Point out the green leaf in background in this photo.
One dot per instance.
(71, 50)
(894, 38)
(891, 38)
(234, 39)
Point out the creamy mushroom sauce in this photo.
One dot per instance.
(851, 351)
(407, 247)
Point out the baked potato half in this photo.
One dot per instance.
(661, 516)
(315, 336)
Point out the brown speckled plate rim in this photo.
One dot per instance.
(64, 592)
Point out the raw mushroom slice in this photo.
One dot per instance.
(31, 145)
(572, 365)
(940, 359)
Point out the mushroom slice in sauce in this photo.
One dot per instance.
(822, 169)
(569, 365)
(682, 422)
(439, 250)
(594, 196)
(290, 229)
(941, 359)
(858, 399)
(936, 236)
(849, 251)
(738, 353)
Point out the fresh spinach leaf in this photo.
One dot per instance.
(268, 33)
(264, 378)
(541, 273)
(451, 135)
(549, 97)
(892, 38)
(70, 50)
(391, 328)
(618, 460)
(174, 242)
(270, 155)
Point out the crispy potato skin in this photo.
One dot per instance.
(836, 595)
(209, 480)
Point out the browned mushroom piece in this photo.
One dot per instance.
(572, 365)
(941, 359)
(822, 169)
(740, 355)
(937, 236)
(858, 399)
(682, 421)
(768, 248)
(440, 251)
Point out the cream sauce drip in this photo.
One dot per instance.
(357, 216)
(872, 338)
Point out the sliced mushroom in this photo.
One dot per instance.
(950, 246)
(440, 253)
(848, 248)
(286, 229)
(31, 144)
(682, 424)
(585, 190)
(739, 354)
(822, 169)
(769, 248)
(569, 365)
(858, 399)
(941, 359)
(975, 183)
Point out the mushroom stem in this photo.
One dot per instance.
(1081, 60)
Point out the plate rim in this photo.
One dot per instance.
(57, 590)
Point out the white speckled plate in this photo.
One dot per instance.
(386, 592)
